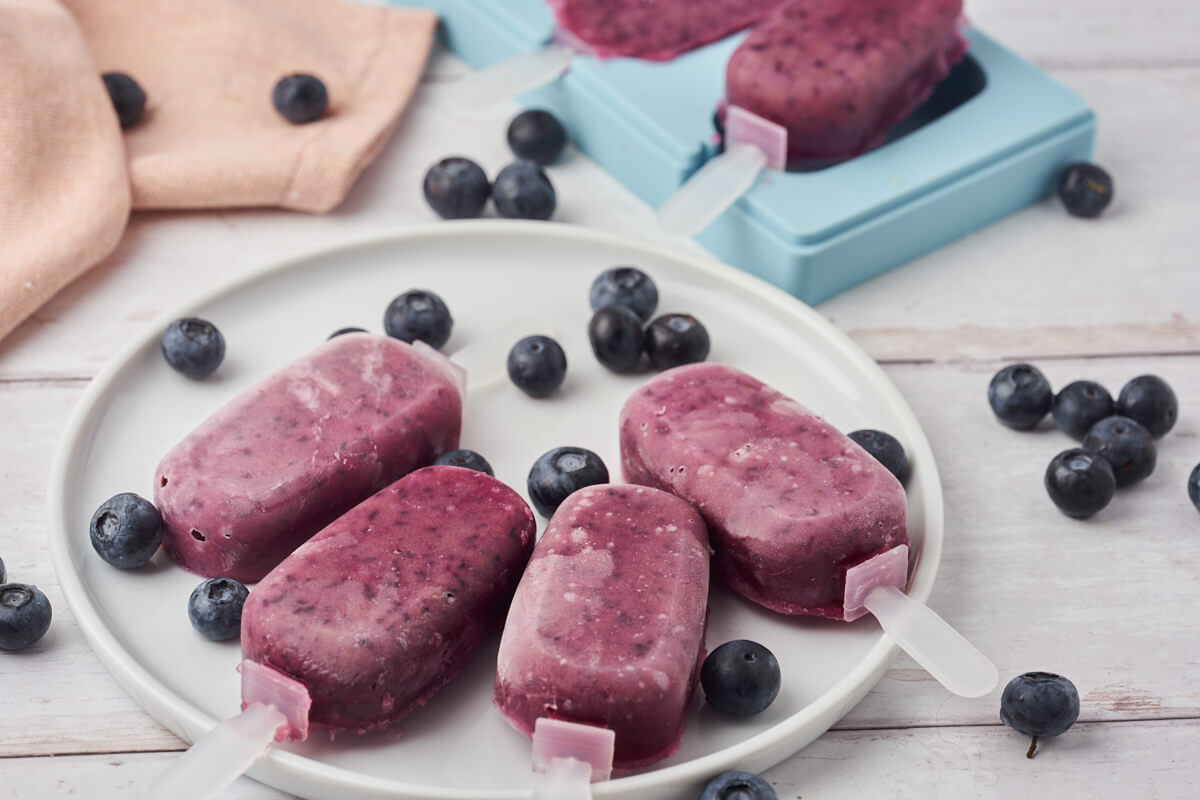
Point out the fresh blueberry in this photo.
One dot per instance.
(344, 331)
(675, 339)
(886, 449)
(418, 315)
(24, 615)
(1020, 396)
(127, 97)
(215, 608)
(1193, 493)
(457, 188)
(467, 459)
(617, 338)
(740, 677)
(522, 191)
(1128, 447)
(3, 572)
(126, 530)
(1080, 482)
(537, 365)
(193, 347)
(537, 135)
(1039, 704)
(560, 472)
(1080, 405)
(300, 98)
(1151, 401)
(625, 286)
(738, 786)
(1085, 189)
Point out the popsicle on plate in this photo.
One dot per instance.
(791, 503)
(285, 458)
(607, 624)
(837, 74)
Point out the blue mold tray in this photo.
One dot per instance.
(989, 142)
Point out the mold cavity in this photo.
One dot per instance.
(198, 536)
(449, 597)
(163, 482)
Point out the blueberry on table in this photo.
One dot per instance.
(1193, 493)
(537, 135)
(738, 786)
(128, 98)
(561, 471)
(193, 347)
(1080, 405)
(457, 188)
(1080, 482)
(215, 608)
(1151, 401)
(886, 449)
(617, 338)
(1126, 445)
(537, 365)
(300, 98)
(522, 191)
(625, 286)
(1039, 704)
(24, 615)
(126, 530)
(467, 459)
(418, 315)
(1020, 396)
(675, 339)
(740, 677)
(344, 331)
(1085, 189)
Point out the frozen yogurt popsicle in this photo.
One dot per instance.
(289, 455)
(607, 624)
(791, 504)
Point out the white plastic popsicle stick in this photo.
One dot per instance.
(568, 757)
(752, 144)
(506, 79)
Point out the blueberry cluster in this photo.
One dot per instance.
(1117, 437)
(622, 300)
(24, 613)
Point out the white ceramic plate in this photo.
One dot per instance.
(488, 272)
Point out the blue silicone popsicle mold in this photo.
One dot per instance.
(988, 143)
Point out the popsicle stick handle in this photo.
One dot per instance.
(506, 79)
(564, 779)
(713, 188)
(486, 359)
(219, 758)
(932, 643)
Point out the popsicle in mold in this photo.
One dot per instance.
(289, 455)
(607, 625)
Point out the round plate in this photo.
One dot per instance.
(489, 273)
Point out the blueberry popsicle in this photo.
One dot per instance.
(791, 504)
(607, 625)
(292, 453)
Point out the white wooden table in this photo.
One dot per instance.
(1112, 603)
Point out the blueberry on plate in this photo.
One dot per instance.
(193, 347)
(1128, 447)
(215, 608)
(467, 459)
(126, 530)
(1039, 704)
(675, 339)
(537, 135)
(1020, 396)
(522, 191)
(457, 188)
(1193, 493)
(886, 449)
(1080, 405)
(617, 338)
(625, 286)
(128, 98)
(24, 615)
(740, 677)
(300, 98)
(418, 315)
(537, 365)
(1151, 401)
(561, 471)
(1085, 189)
(1080, 482)
(738, 786)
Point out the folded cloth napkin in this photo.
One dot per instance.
(210, 136)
